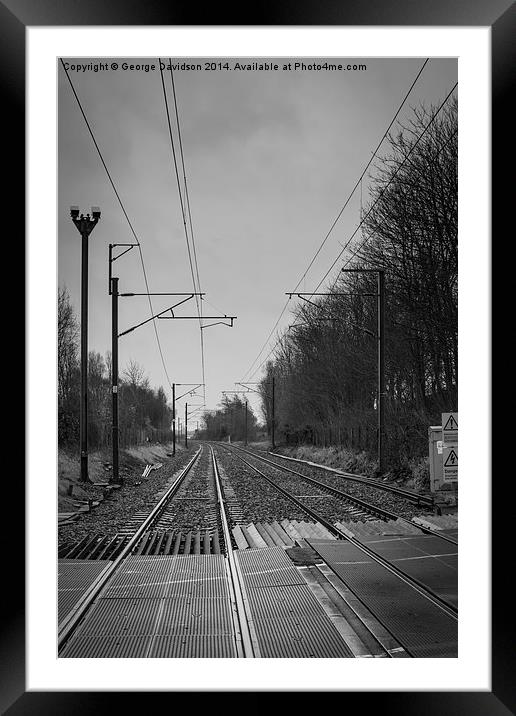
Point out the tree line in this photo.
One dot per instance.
(229, 421)
(143, 412)
(325, 364)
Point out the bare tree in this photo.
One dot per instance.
(67, 343)
(325, 365)
(229, 420)
(68, 376)
(134, 374)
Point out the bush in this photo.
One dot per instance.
(338, 458)
(420, 471)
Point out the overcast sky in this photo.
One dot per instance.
(270, 159)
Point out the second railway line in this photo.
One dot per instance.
(318, 509)
(225, 503)
(355, 501)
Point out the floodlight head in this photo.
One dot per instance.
(74, 212)
(95, 212)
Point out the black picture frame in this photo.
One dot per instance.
(500, 16)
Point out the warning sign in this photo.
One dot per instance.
(450, 423)
(452, 459)
(450, 463)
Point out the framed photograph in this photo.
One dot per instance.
(227, 165)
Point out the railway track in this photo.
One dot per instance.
(369, 510)
(188, 524)
(410, 495)
(169, 526)
(247, 642)
(301, 501)
(220, 488)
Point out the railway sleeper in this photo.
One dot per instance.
(174, 542)
(100, 546)
(153, 542)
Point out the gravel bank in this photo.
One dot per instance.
(111, 515)
(375, 496)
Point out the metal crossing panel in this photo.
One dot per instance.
(428, 559)
(288, 619)
(417, 623)
(167, 607)
(74, 576)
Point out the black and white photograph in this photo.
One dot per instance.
(258, 285)
(257, 357)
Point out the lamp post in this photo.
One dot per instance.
(85, 226)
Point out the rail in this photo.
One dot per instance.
(425, 591)
(247, 643)
(71, 621)
(365, 481)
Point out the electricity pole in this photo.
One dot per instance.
(272, 399)
(84, 226)
(186, 425)
(184, 298)
(381, 372)
(173, 419)
(174, 398)
(379, 336)
(225, 393)
(273, 417)
(113, 291)
(114, 376)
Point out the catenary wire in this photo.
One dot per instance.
(192, 235)
(381, 194)
(88, 125)
(358, 183)
(357, 228)
(183, 202)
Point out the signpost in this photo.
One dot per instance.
(450, 463)
(450, 423)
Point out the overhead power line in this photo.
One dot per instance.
(383, 191)
(357, 184)
(90, 130)
(359, 180)
(187, 196)
(199, 304)
(184, 203)
(420, 136)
